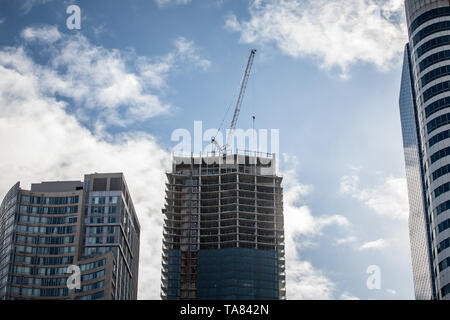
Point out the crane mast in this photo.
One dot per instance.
(237, 109)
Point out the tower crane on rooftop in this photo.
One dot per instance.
(238, 106)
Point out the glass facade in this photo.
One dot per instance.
(111, 225)
(418, 222)
(43, 228)
(238, 274)
(7, 216)
(54, 226)
(425, 118)
(173, 274)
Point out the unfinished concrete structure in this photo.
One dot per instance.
(223, 228)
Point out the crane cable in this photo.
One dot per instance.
(228, 110)
(243, 85)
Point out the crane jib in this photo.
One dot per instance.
(241, 93)
(238, 103)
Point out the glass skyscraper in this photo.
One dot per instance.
(45, 231)
(223, 229)
(425, 117)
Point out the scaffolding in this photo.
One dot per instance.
(216, 202)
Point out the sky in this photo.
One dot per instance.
(108, 97)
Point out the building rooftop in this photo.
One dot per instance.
(57, 186)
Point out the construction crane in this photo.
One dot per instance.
(237, 109)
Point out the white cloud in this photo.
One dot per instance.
(48, 34)
(349, 184)
(186, 50)
(348, 296)
(298, 217)
(41, 141)
(2, 20)
(155, 71)
(99, 29)
(391, 291)
(338, 33)
(119, 86)
(389, 199)
(303, 280)
(350, 239)
(163, 3)
(377, 244)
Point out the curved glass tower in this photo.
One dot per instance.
(425, 116)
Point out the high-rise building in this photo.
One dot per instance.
(425, 117)
(223, 229)
(50, 231)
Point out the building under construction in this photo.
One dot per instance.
(223, 229)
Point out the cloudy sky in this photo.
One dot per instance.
(109, 96)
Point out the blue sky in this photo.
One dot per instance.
(326, 74)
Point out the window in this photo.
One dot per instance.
(431, 44)
(436, 27)
(443, 245)
(96, 220)
(439, 137)
(438, 122)
(435, 90)
(100, 184)
(444, 225)
(93, 265)
(427, 16)
(444, 264)
(441, 171)
(74, 199)
(98, 200)
(434, 58)
(99, 209)
(94, 275)
(93, 296)
(442, 189)
(115, 184)
(440, 154)
(445, 290)
(435, 74)
(112, 210)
